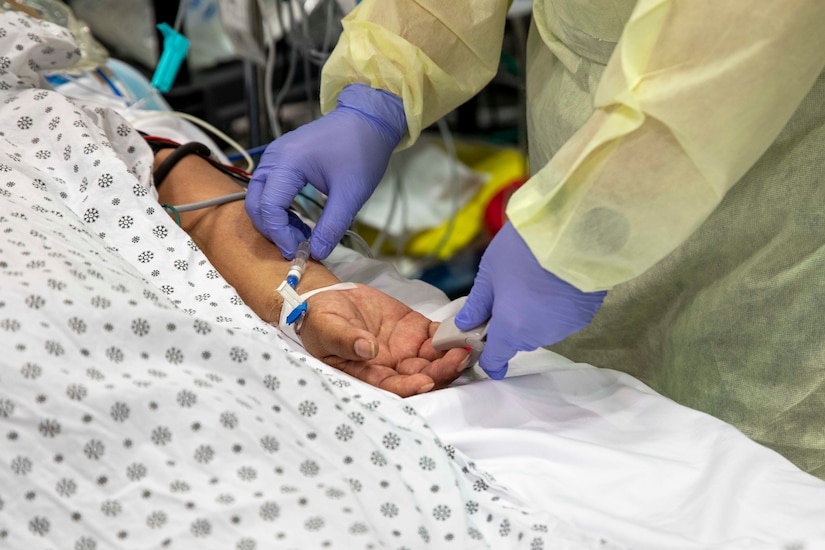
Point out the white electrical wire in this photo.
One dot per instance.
(401, 243)
(293, 60)
(305, 46)
(269, 72)
(179, 15)
(384, 232)
(364, 248)
(250, 164)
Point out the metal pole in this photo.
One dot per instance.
(256, 85)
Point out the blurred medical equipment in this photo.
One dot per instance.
(92, 53)
(255, 27)
(200, 19)
(426, 214)
(233, 43)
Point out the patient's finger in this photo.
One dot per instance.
(427, 350)
(407, 385)
(441, 371)
(412, 365)
(449, 367)
(388, 379)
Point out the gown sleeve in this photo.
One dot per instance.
(433, 54)
(693, 95)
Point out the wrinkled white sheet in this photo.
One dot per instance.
(605, 452)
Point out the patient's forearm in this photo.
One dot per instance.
(361, 331)
(245, 258)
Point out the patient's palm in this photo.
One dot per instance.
(405, 361)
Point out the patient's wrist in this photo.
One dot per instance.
(242, 255)
(249, 261)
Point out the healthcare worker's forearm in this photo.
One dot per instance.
(433, 54)
(693, 95)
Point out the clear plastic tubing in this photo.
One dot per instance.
(298, 264)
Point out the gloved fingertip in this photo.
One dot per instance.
(299, 233)
(463, 321)
(468, 318)
(320, 247)
(497, 374)
(286, 251)
(495, 361)
(284, 239)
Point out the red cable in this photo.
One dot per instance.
(162, 140)
(231, 167)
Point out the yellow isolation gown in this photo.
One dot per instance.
(677, 152)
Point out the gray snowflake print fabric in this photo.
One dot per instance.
(143, 405)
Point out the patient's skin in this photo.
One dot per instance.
(361, 331)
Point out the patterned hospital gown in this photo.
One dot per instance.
(143, 405)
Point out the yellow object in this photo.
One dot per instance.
(677, 149)
(442, 50)
(693, 94)
(504, 166)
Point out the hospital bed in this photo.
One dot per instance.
(143, 405)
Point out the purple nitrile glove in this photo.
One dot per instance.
(343, 155)
(528, 306)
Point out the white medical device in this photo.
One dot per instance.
(449, 336)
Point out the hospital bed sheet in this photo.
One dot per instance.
(608, 454)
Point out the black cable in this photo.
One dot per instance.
(191, 148)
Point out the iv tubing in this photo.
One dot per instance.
(298, 264)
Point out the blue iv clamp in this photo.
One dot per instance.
(175, 47)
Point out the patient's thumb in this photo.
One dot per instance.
(342, 341)
(365, 348)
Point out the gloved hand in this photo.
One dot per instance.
(343, 154)
(528, 306)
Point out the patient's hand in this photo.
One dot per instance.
(395, 342)
(402, 361)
